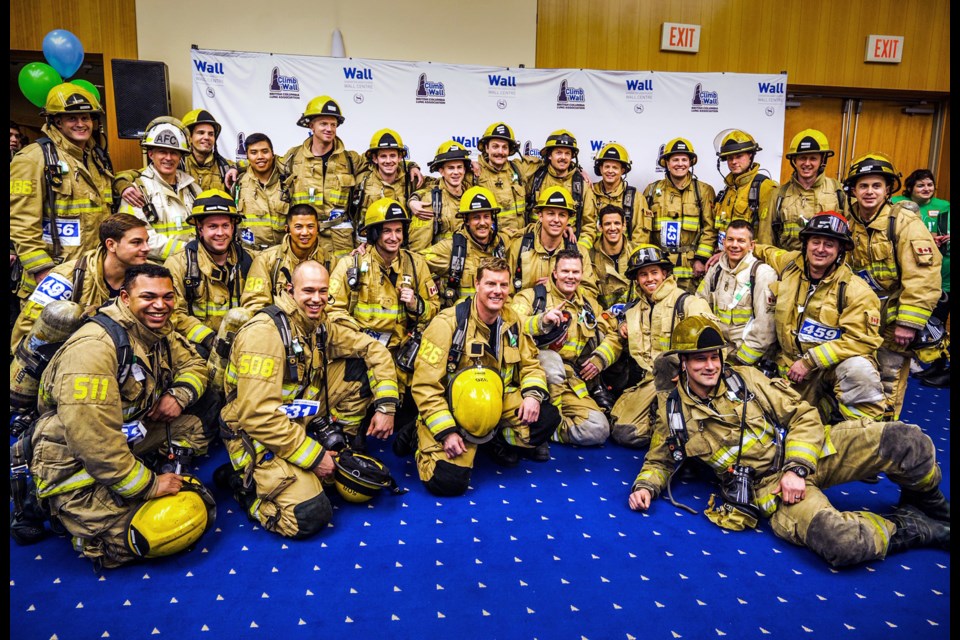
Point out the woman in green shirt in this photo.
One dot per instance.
(920, 187)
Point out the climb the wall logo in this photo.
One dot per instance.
(284, 87)
(704, 101)
(430, 92)
(570, 97)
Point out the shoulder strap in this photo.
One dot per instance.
(577, 193)
(753, 276)
(458, 257)
(459, 335)
(120, 340)
(628, 196)
(246, 260)
(892, 236)
(525, 245)
(753, 198)
(539, 298)
(52, 178)
(678, 311)
(715, 280)
(535, 185)
(648, 194)
(696, 196)
(191, 280)
(79, 271)
(283, 326)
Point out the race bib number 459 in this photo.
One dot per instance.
(813, 331)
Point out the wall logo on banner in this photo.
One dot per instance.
(530, 150)
(771, 92)
(209, 72)
(357, 79)
(570, 97)
(704, 101)
(284, 87)
(500, 85)
(639, 90)
(430, 92)
(470, 142)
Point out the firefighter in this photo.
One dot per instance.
(774, 459)
(60, 187)
(98, 426)
(204, 163)
(897, 256)
(93, 278)
(387, 174)
(609, 257)
(388, 291)
(827, 323)
(271, 271)
(434, 209)
(533, 254)
(575, 343)
(477, 381)
(738, 290)
(807, 193)
(680, 219)
(559, 167)
(612, 164)
(645, 333)
(296, 378)
(168, 192)
(454, 261)
(261, 199)
(503, 176)
(747, 194)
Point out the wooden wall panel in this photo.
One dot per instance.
(818, 42)
(106, 27)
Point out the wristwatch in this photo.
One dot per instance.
(800, 470)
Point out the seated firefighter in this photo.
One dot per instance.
(294, 376)
(113, 402)
(576, 342)
(774, 458)
(477, 382)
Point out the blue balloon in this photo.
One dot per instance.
(63, 51)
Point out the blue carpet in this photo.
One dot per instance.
(546, 551)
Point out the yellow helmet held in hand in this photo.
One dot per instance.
(559, 138)
(201, 116)
(502, 131)
(475, 397)
(70, 98)
(321, 106)
(477, 199)
(214, 202)
(169, 524)
(385, 139)
(166, 133)
(359, 477)
(677, 146)
(873, 164)
(612, 151)
(735, 141)
(450, 151)
(382, 211)
(557, 197)
(644, 256)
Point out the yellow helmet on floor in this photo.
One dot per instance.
(477, 199)
(677, 146)
(169, 524)
(70, 98)
(612, 151)
(475, 397)
(201, 116)
(559, 138)
(321, 106)
(385, 139)
(873, 164)
(359, 477)
(500, 130)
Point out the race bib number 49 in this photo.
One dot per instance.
(52, 288)
(813, 331)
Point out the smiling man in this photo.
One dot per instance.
(260, 197)
(807, 193)
(747, 192)
(434, 209)
(271, 271)
(97, 430)
(503, 176)
(387, 175)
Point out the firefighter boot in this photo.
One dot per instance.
(932, 503)
(915, 529)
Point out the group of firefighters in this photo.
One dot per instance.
(309, 301)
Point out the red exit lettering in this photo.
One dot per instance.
(681, 37)
(884, 48)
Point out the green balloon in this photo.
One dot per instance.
(36, 79)
(89, 86)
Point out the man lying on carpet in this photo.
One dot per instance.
(772, 452)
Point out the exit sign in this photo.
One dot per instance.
(884, 49)
(680, 37)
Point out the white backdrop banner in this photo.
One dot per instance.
(430, 103)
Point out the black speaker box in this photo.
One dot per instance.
(141, 92)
